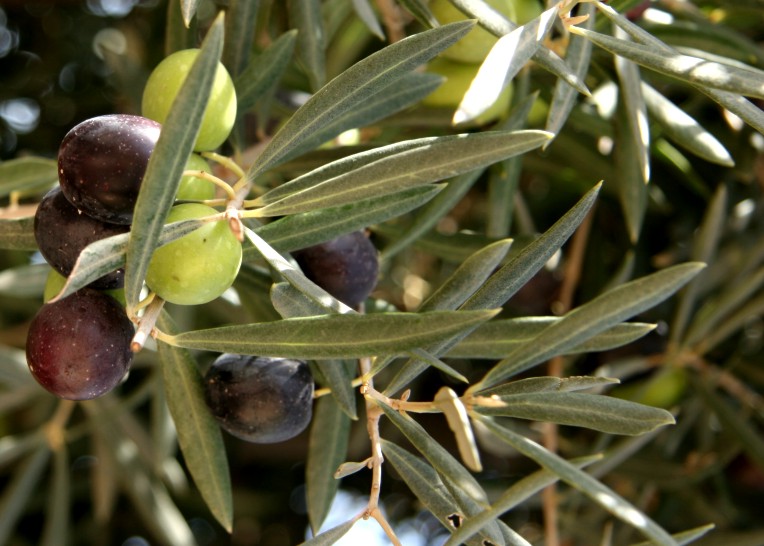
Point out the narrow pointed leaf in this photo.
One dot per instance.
(27, 173)
(188, 9)
(264, 71)
(327, 449)
(425, 483)
(683, 129)
(445, 157)
(305, 16)
(332, 535)
(199, 435)
(550, 384)
(291, 303)
(349, 91)
(310, 228)
(588, 320)
(510, 278)
(498, 338)
(467, 492)
(578, 55)
(695, 70)
(506, 58)
(167, 162)
(576, 478)
(594, 411)
(421, 11)
(630, 183)
(468, 277)
(333, 336)
(339, 375)
(366, 13)
(634, 109)
(240, 24)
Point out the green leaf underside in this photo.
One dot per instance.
(263, 71)
(442, 158)
(199, 435)
(425, 483)
(348, 91)
(498, 338)
(468, 495)
(593, 411)
(589, 319)
(329, 434)
(576, 478)
(167, 162)
(333, 336)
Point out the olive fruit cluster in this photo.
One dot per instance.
(79, 347)
(258, 399)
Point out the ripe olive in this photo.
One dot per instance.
(78, 348)
(101, 163)
(258, 399)
(346, 267)
(62, 232)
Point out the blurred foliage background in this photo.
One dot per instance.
(704, 362)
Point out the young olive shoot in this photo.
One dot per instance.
(346, 267)
(199, 266)
(78, 348)
(62, 232)
(258, 399)
(165, 82)
(101, 163)
(193, 188)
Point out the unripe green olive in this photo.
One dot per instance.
(164, 84)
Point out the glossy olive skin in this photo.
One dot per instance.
(78, 348)
(258, 399)
(101, 163)
(346, 267)
(62, 232)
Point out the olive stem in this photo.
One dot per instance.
(146, 324)
(226, 162)
(214, 179)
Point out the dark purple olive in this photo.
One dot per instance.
(258, 399)
(346, 267)
(62, 232)
(78, 348)
(101, 163)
